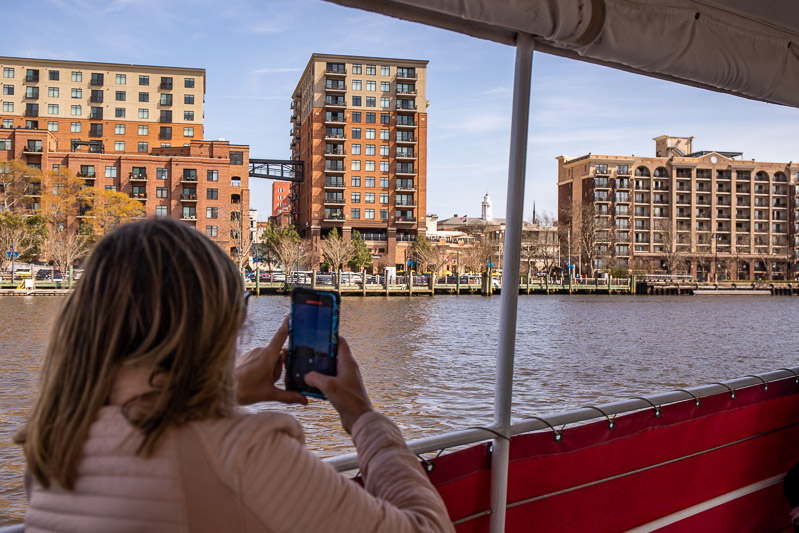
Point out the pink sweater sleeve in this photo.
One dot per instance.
(290, 489)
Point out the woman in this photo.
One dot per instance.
(136, 426)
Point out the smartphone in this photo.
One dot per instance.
(313, 338)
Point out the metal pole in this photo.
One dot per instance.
(503, 388)
(13, 257)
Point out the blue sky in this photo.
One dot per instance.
(255, 51)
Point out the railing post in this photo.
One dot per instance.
(503, 389)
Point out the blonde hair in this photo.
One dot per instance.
(156, 294)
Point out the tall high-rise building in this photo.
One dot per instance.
(281, 201)
(710, 214)
(359, 124)
(127, 108)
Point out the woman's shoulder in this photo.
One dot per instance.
(244, 430)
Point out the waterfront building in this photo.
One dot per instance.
(359, 124)
(114, 108)
(709, 214)
(205, 184)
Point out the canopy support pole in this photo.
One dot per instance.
(503, 388)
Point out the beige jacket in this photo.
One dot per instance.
(251, 473)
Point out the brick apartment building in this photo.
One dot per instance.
(127, 108)
(359, 124)
(204, 184)
(711, 214)
(281, 201)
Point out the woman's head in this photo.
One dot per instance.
(154, 294)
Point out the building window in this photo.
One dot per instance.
(356, 133)
(121, 79)
(52, 92)
(8, 72)
(236, 158)
(384, 135)
(188, 132)
(356, 85)
(385, 86)
(77, 93)
(384, 214)
(356, 115)
(8, 89)
(31, 92)
(385, 70)
(52, 125)
(188, 83)
(144, 80)
(119, 112)
(188, 115)
(369, 197)
(371, 118)
(142, 147)
(370, 133)
(369, 214)
(119, 146)
(355, 181)
(383, 197)
(188, 99)
(160, 211)
(371, 101)
(384, 181)
(370, 149)
(369, 166)
(355, 164)
(76, 110)
(371, 86)
(211, 231)
(74, 127)
(356, 69)
(356, 149)
(211, 212)
(355, 198)
(383, 150)
(385, 102)
(385, 118)
(96, 96)
(166, 99)
(371, 70)
(87, 171)
(77, 75)
(356, 101)
(161, 173)
(5, 144)
(144, 113)
(165, 132)
(144, 130)
(166, 82)
(161, 192)
(369, 181)
(8, 123)
(384, 166)
(355, 213)
(8, 107)
(32, 125)
(52, 109)
(213, 175)
(144, 97)
(112, 188)
(121, 96)
(96, 130)
(212, 194)
(110, 172)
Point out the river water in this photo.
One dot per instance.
(428, 362)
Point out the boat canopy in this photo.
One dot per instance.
(740, 47)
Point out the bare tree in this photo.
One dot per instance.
(18, 182)
(435, 256)
(311, 254)
(65, 245)
(336, 251)
(670, 240)
(240, 238)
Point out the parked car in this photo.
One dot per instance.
(250, 276)
(278, 276)
(324, 279)
(350, 278)
(46, 274)
(22, 272)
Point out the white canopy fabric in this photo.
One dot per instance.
(749, 48)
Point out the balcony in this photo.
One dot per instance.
(405, 155)
(31, 112)
(334, 168)
(188, 179)
(137, 176)
(32, 150)
(406, 74)
(32, 95)
(337, 216)
(340, 137)
(406, 122)
(188, 197)
(97, 80)
(336, 87)
(165, 86)
(87, 175)
(335, 119)
(405, 171)
(622, 171)
(335, 101)
(410, 92)
(138, 195)
(405, 220)
(602, 170)
(406, 105)
(188, 216)
(338, 152)
(335, 72)
(96, 115)
(406, 139)
(405, 188)
(405, 205)
(333, 183)
(334, 200)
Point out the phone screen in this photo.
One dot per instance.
(313, 341)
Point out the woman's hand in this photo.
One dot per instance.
(258, 370)
(345, 390)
